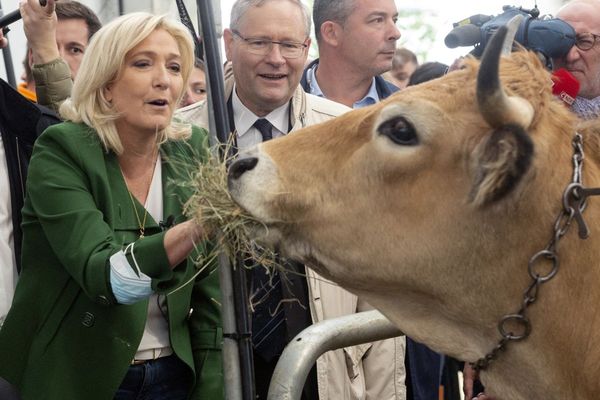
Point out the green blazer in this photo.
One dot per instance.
(65, 336)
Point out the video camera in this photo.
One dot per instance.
(549, 37)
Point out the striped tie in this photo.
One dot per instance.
(268, 319)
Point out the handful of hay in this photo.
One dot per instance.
(213, 208)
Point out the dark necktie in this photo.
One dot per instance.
(265, 128)
(268, 319)
(269, 333)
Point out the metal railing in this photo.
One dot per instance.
(302, 352)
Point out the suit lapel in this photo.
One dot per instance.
(175, 175)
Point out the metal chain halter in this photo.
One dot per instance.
(574, 203)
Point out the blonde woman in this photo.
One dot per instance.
(106, 306)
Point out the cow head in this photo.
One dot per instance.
(429, 205)
(410, 180)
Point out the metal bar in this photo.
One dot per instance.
(8, 66)
(302, 352)
(231, 358)
(8, 62)
(216, 85)
(237, 347)
(244, 326)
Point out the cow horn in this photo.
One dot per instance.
(512, 27)
(495, 105)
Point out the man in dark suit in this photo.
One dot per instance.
(21, 122)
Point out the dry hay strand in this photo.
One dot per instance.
(213, 208)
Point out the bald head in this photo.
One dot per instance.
(584, 17)
(578, 3)
(580, 10)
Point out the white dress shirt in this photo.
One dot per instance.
(247, 135)
(156, 332)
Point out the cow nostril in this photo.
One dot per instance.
(240, 166)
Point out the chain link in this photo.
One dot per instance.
(573, 206)
(578, 157)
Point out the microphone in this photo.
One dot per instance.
(164, 225)
(14, 16)
(565, 86)
(463, 35)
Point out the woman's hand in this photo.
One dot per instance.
(3, 40)
(469, 377)
(181, 239)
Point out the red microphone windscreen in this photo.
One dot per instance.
(565, 85)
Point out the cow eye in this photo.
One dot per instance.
(400, 131)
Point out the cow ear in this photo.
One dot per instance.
(501, 160)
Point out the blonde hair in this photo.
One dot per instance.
(102, 64)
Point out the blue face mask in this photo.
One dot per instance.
(129, 285)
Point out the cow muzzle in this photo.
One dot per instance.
(237, 169)
(253, 184)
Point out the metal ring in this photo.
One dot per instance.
(570, 194)
(519, 320)
(549, 256)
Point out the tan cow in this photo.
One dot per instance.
(431, 204)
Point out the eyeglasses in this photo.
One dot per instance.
(262, 47)
(585, 41)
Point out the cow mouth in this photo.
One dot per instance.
(267, 235)
(281, 238)
(284, 239)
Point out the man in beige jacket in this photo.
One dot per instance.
(267, 44)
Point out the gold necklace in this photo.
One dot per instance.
(141, 224)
